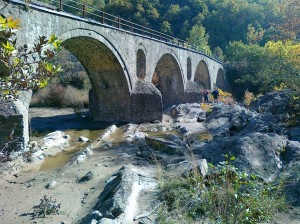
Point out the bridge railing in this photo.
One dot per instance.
(88, 12)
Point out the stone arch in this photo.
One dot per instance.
(109, 98)
(189, 68)
(202, 77)
(141, 64)
(167, 78)
(220, 82)
(81, 33)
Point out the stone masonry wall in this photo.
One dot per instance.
(12, 127)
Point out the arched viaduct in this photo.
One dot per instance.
(133, 76)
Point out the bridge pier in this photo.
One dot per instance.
(142, 105)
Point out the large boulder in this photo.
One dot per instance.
(119, 201)
(277, 102)
(255, 153)
(225, 119)
(188, 112)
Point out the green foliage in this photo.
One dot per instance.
(225, 195)
(23, 68)
(263, 68)
(199, 38)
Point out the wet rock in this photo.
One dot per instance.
(108, 132)
(54, 142)
(83, 139)
(51, 185)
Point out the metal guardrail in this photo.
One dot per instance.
(99, 16)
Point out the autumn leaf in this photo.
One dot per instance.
(3, 22)
(52, 38)
(13, 23)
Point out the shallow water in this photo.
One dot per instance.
(62, 158)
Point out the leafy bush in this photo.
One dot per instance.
(225, 195)
(75, 98)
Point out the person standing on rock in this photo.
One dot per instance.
(205, 95)
(215, 94)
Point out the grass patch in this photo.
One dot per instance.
(224, 195)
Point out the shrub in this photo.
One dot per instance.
(225, 195)
(226, 97)
(75, 98)
(248, 97)
(56, 95)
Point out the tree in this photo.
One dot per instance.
(23, 68)
(289, 24)
(260, 69)
(166, 27)
(199, 38)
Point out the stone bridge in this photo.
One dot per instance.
(134, 77)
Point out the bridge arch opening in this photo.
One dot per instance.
(109, 99)
(189, 68)
(167, 78)
(202, 78)
(221, 79)
(141, 64)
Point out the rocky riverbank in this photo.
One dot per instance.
(112, 178)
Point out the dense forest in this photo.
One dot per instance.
(258, 39)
